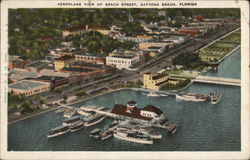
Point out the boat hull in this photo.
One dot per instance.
(131, 139)
(189, 98)
(91, 124)
(58, 134)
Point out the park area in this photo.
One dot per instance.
(217, 50)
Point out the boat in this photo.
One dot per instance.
(72, 121)
(93, 119)
(69, 112)
(152, 94)
(77, 127)
(135, 137)
(141, 129)
(82, 112)
(60, 110)
(215, 98)
(106, 134)
(191, 97)
(95, 133)
(58, 131)
(172, 129)
(111, 126)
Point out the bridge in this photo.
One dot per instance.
(217, 80)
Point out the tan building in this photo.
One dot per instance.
(28, 87)
(79, 30)
(154, 82)
(148, 45)
(63, 61)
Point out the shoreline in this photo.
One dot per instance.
(135, 89)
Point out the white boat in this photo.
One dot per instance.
(106, 134)
(72, 121)
(58, 131)
(60, 110)
(152, 94)
(191, 97)
(135, 137)
(93, 119)
(69, 112)
(77, 127)
(215, 98)
(95, 133)
(111, 126)
(141, 129)
(81, 112)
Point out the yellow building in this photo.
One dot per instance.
(154, 82)
(63, 61)
(28, 87)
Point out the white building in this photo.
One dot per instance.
(123, 62)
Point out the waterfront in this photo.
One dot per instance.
(203, 126)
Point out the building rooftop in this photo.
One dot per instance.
(78, 69)
(123, 110)
(152, 109)
(63, 58)
(159, 76)
(48, 78)
(26, 85)
(36, 64)
(128, 57)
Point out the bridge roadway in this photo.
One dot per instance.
(218, 80)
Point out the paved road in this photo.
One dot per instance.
(165, 59)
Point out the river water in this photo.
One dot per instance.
(203, 126)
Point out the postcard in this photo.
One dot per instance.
(125, 79)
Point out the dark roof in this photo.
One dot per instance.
(159, 76)
(135, 112)
(99, 27)
(153, 109)
(147, 73)
(88, 65)
(154, 47)
(75, 28)
(158, 84)
(123, 57)
(63, 58)
(131, 102)
(78, 69)
(49, 78)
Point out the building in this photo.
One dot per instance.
(54, 81)
(154, 82)
(88, 58)
(148, 45)
(190, 32)
(28, 87)
(147, 114)
(19, 74)
(79, 30)
(123, 62)
(138, 38)
(63, 61)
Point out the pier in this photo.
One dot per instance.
(107, 112)
(217, 80)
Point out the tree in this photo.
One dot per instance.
(26, 107)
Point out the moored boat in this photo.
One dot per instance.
(215, 98)
(77, 127)
(72, 121)
(106, 134)
(69, 112)
(95, 133)
(191, 97)
(58, 131)
(135, 137)
(93, 119)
